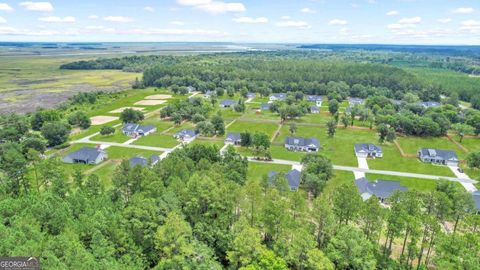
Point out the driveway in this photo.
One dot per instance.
(362, 163)
(468, 186)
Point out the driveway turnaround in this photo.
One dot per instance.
(468, 186)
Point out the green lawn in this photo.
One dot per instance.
(242, 126)
(410, 145)
(251, 113)
(159, 123)
(339, 178)
(472, 144)
(218, 143)
(228, 114)
(257, 171)
(393, 161)
(105, 174)
(117, 137)
(186, 125)
(115, 152)
(157, 140)
(411, 183)
(312, 118)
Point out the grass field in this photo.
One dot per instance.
(242, 126)
(339, 178)
(258, 171)
(117, 137)
(472, 144)
(120, 153)
(157, 140)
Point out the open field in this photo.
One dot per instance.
(410, 183)
(259, 171)
(157, 140)
(411, 145)
(31, 82)
(242, 126)
(118, 137)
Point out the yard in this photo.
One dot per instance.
(253, 127)
(117, 137)
(411, 183)
(157, 140)
(258, 171)
(120, 153)
(410, 145)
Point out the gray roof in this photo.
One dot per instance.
(138, 160)
(438, 153)
(265, 106)
(298, 141)
(86, 153)
(476, 199)
(379, 188)
(354, 101)
(251, 95)
(233, 136)
(228, 102)
(293, 178)
(186, 132)
(314, 98)
(279, 95)
(314, 109)
(430, 104)
(130, 127)
(367, 148)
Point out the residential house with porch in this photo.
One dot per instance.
(438, 156)
(381, 189)
(366, 150)
(86, 155)
(302, 144)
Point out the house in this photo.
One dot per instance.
(314, 98)
(190, 89)
(293, 178)
(438, 156)
(355, 101)
(302, 144)
(185, 135)
(251, 95)
(227, 103)
(430, 104)
(476, 200)
(265, 106)
(379, 188)
(209, 93)
(365, 150)
(314, 109)
(233, 138)
(278, 97)
(135, 130)
(86, 155)
(141, 161)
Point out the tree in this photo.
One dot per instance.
(106, 130)
(473, 160)
(347, 203)
(177, 118)
(333, 106)
(261, 140)
(218, 124)
(246, 139)
(349, 249)
(292, 128)
(318, 261)
(56, 133)
(331, 127)
(386, 133)
(462, 130)
(323, 220)
(240, 106)
(14, 166)
(131, 116)
(246, 247)
(205, 128)
(345, 120)
(475, 101)
(80, 119)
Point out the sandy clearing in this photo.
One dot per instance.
(158, 97)
(102, 119)
(119, 110)
(150, 102)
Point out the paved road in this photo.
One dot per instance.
(468, 186)
(361, 170)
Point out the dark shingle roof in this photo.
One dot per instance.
(138, 160)
(293, 178)
(129, 127)
(314, 109)
(367, 148)
(265, 106)
(476, 199)
(314, 98)
(430, 104)
(297, 141)
(186, 132)
(435, 153)
(228, 102)
(86, 153)
(354, 101)
(379, 188)
(279, 95)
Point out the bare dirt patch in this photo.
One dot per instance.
(150, 102)
(119, 110)
(101, 119)
(159, 97)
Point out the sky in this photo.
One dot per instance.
(264, 21)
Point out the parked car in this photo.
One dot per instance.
(460, 170)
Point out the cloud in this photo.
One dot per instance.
(149, 9)
(392, 13)
(37, 6)
(2, 20)
(177, 23)
(118, 19)
(5, 7)
(93, 17)
(54, 19)
(214, 7)
(471, 26)
(294, 24)
(411, 20)
(250, 20)
(175, 32)
(285, 17)
(338, 22)
(444, 20)
(308, 10)
(463, 10)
